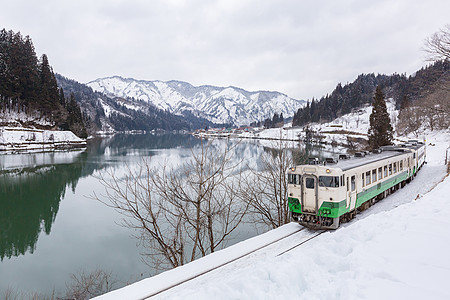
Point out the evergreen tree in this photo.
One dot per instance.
(380, 130)
(49, 94)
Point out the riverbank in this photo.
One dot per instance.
(18, 139)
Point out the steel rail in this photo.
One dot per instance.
(221, 265)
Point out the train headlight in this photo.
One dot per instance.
(292, 169)
(328, 171)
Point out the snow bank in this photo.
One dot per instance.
(399, 254)
(25, 139)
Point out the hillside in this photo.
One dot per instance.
(415, 90)
(226, 105)
(110, 113)
(29, 95)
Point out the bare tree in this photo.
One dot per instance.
(409, 120)
(265, 189)
(437, 46)
(433, 112)
(182, 212)
(87, 285)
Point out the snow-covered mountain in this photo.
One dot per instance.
(228, 105)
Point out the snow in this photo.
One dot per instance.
(336, 132)
(397, 249)
(217, 104)
(27, 139)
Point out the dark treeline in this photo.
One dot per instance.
(28, 85)
(275, 122)
(360, 92)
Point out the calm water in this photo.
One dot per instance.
(50, 228)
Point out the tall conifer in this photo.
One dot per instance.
(380, 130)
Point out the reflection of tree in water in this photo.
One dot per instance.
(29, 202)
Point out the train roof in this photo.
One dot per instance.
(354, 162)
(384, 152)
(387, 152)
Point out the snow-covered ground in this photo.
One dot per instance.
(354, 125)
(27, 139)
(397, 249)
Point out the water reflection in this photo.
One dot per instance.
(32, 185)
(29, 201)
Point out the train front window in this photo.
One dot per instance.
(309, 183)
(293, 179)
(328, 181)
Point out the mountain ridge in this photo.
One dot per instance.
(226, 105)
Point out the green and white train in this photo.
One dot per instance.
(323, 195)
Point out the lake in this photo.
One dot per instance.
(51, 228)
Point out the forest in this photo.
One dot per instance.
(417, 90)
(28, 85)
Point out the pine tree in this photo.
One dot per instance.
(380, 130)
(49, 93)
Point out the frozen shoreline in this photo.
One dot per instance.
(20, 139)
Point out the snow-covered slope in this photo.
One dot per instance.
(217, 104)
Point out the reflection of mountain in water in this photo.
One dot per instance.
(123, 142)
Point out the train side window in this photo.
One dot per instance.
(348, 186)
(401, 165)
(390, 169)
(380, 173)
(329, 181)
(367, 177)
(309, 183)
(395, 167)
(374, 175)
(362, 178)
(353, 183)
(385, 171)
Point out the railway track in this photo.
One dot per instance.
(308, 236)
(303, 242)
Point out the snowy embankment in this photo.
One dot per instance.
(397, 249)
(25, 139)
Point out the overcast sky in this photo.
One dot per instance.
(300, 48)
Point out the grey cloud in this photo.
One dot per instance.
(300, 48)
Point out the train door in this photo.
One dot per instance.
(351, 191)
(309, 193)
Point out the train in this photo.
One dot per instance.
(324, 194)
